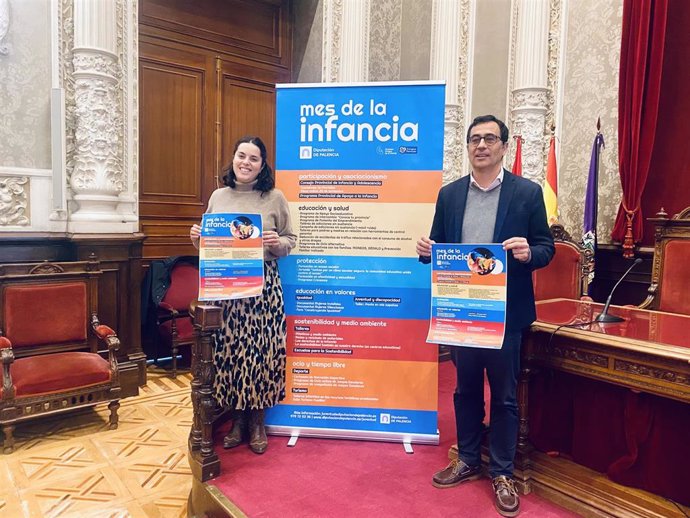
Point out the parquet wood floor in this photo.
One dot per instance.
(73, 466)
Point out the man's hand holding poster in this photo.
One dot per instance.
(231, 256)
(468, 295)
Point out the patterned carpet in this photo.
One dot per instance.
(73, 466)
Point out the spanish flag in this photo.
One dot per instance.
(551, 185)
(517, 164)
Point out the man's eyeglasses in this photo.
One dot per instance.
(489, 139)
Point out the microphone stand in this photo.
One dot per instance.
(604, 316)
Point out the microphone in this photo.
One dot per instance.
(604, 315)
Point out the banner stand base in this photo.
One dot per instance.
(407, 439)
(293, 439)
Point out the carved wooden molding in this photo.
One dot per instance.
(571, 353)
(46, 268)
(651, 372)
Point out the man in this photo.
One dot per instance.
(491, 205)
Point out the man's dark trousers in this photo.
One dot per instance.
(503, 368)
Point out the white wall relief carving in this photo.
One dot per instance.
(97, 69)
(453, 144)
(4, 26)
(128, 53)
(554, 64)
(530, 93)
(332, 29)
(14, 201)
(97, 174)
(528, 116)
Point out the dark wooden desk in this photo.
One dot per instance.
(648, 352)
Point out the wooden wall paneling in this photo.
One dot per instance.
(175, 144)
(256, 28)
(177, 129)
(19, 247)
(167, 238)
(248, 108)
(208, 70)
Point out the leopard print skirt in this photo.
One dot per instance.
(249, 348)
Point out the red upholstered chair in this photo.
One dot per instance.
(175, 328)
(670, 271)
(49, 344)
(567, 275)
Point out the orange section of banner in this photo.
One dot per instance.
(468, 278)
(374, 186)
(362, 383)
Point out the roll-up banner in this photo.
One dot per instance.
(361, 166)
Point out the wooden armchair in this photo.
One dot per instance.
(567, 275)
(670, 271)
(50, 361)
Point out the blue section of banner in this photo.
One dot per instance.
(458, 257)
(352, 418)
(228, 225)
(365, 127)
(469, 304)
(441, 311)
(365, 302)
(328, 271)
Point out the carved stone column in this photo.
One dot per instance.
(449, 62)
(346, 41)
(102, 57)
(529, 96)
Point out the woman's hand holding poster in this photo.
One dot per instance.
(468, 295)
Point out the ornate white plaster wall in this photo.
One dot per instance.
(590, 90)
(25, 82)
(415, 40)
(384, 40)
(581, 81)
(88, 52)
(491, 59)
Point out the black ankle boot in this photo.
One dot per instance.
(258, 442)
(238, 432)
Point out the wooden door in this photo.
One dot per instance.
(207, 75)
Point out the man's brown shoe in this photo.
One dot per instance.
(455, 473)
(507, 501)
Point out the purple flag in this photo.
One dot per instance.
(589, 231)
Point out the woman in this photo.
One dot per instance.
(250, 346)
